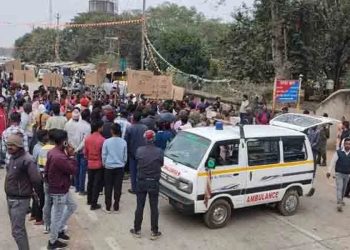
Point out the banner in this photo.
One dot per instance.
(52, 80)
(11, 66)
(101, 72)
(287, 91)
(140, 82)
(23, 76)
(91, 79)
(178, 93)
(153, 86)
(163, 87)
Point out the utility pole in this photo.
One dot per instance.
(57, 46)
(50, 12)
(143, 35)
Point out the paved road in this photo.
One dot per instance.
(317, 225)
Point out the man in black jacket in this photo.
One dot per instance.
(22, 176)
(150, 160)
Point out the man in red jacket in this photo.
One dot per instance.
(93, 154)
(60, 166)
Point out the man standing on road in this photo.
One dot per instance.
(150, 160)
(21, 177)
(114, 157)
(134, 138)
(60, 166)
(15, 119)
(243, 110)
(56, 121)
(341, 163)
(93, 154)
(78, 129)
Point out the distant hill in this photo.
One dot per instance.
(8, 52)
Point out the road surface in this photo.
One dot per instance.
(317, 225)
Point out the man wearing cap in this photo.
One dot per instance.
(150, 160)
(84, 103)
(15, 119)
(78, 130)
(22, 176)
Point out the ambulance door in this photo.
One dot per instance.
(229, 177)
(263, 172)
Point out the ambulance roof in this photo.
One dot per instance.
(250, 131)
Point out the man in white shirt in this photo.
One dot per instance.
(243, 110)
(78, 129)
(341, 163)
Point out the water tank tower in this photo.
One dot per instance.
(103, 6)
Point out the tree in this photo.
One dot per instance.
(37, 46)
(247, 58)
(186, 38)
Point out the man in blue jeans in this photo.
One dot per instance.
(60, 166)
(78, 130)
(134, 138)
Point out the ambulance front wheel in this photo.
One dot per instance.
(289, 204)
(218, 214)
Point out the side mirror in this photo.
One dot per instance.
(211, 163)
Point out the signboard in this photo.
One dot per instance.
(52, 80)
(163, 87)
(23, 76)
(140, 82)
(101, 72)
(178, 93)
(11, 66)
(91, 79)
(154, 87)
(287, 91)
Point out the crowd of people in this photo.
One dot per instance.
(53, 138)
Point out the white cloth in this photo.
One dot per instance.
(27, 122)
(244, 106)
(77, 132)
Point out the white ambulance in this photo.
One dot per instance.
(213, 171)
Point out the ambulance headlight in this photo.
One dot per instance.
(185, 186)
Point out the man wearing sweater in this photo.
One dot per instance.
(114, 157)
(60, 166)
(134, 138)
(341, 163)
(93, 154)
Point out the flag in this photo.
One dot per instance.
(207, 193)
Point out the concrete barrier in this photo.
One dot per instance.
(336, 106)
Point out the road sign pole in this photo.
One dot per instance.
(274, 96)
(299, 92)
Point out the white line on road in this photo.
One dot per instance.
(300, 229)
(112, 243)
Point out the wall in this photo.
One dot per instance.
(336, 106)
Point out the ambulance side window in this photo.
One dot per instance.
(263, 151)
(225, 153)
(294, 149)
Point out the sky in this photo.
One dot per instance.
(19, 12)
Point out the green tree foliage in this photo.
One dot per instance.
(247, 48)
(37, 46)
(186, 39)
(83, 45)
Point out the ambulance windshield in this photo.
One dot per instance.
(188, 149)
